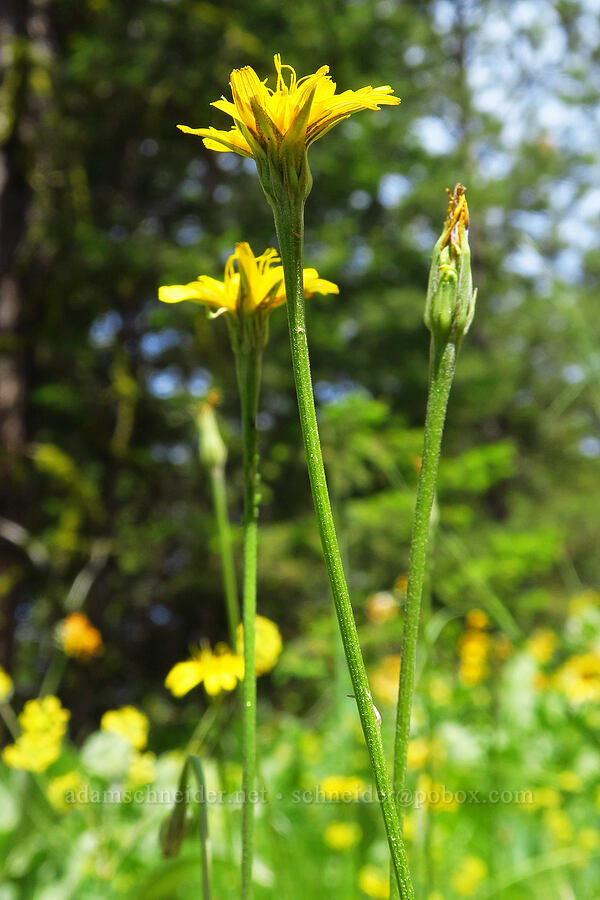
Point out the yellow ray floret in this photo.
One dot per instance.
(250, 283)
(297, 111)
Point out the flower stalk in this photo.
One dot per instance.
(213, 453)
(289, 223)
(249, 367)
(449, 311)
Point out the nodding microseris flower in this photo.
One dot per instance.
(450, 303)
(276, 126)
(251, 289)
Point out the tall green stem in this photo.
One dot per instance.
(289, 222)
(443, 361)
(249, 366)
(219, 492)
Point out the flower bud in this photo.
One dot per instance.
(213, 451)
(450, 303)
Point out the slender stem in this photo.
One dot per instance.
(219, 492)
(443, 360)
(249, 372)
(289, 222)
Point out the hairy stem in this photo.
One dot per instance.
(249, 372)
(219, 493)
(289, 222)
(443, 360)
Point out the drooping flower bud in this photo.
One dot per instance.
(213, 451)
(450, 303)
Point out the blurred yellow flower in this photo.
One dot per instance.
(570, 781)
(219, 670)
(559, 825)
(439, 691)
(384, 679)
(293, 115)
(142, 768)
(33, 752)
(542, 645)
(128, 722)
(435, 895)
(502, 647)
(435, 795)
(373, 882)
(61, 788)
(250, 284)
(473, 647)
(6, 686)
(267, 644)
(342, 787)
(45, 715)
(543, 797)
(401, 584)
(342, 835)
(417, 753)
(43, 722)
(381, 607)
(222, 669)
(579, 678)
(79, 638)
(409, 826)
(467, 879)
(581, 603)
(477, 619)
(588, 839)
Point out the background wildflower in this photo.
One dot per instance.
(6, 686)
(129, 723)
(268, 644)
(373, 882)
(78, 637)
(469, 875)
(43, 723)
(342, 835)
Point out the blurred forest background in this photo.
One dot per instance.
(105, 505)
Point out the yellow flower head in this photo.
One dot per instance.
(381, 607)
(219, 670)
(142, 769)
(128, 722)
(45, 716)
(342, 835)
(79, 638)
(267, 644)
(373, 882)
(32, 751)
(342, 787)
(385, 678)
(276, 127)
(252, 287)
(476, 618)
(579, 678)
(542, 644)
(467, 879)
(6, 686)
(62, 788)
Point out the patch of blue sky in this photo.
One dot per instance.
(154, 343)
(165, 384)
(105, 328)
